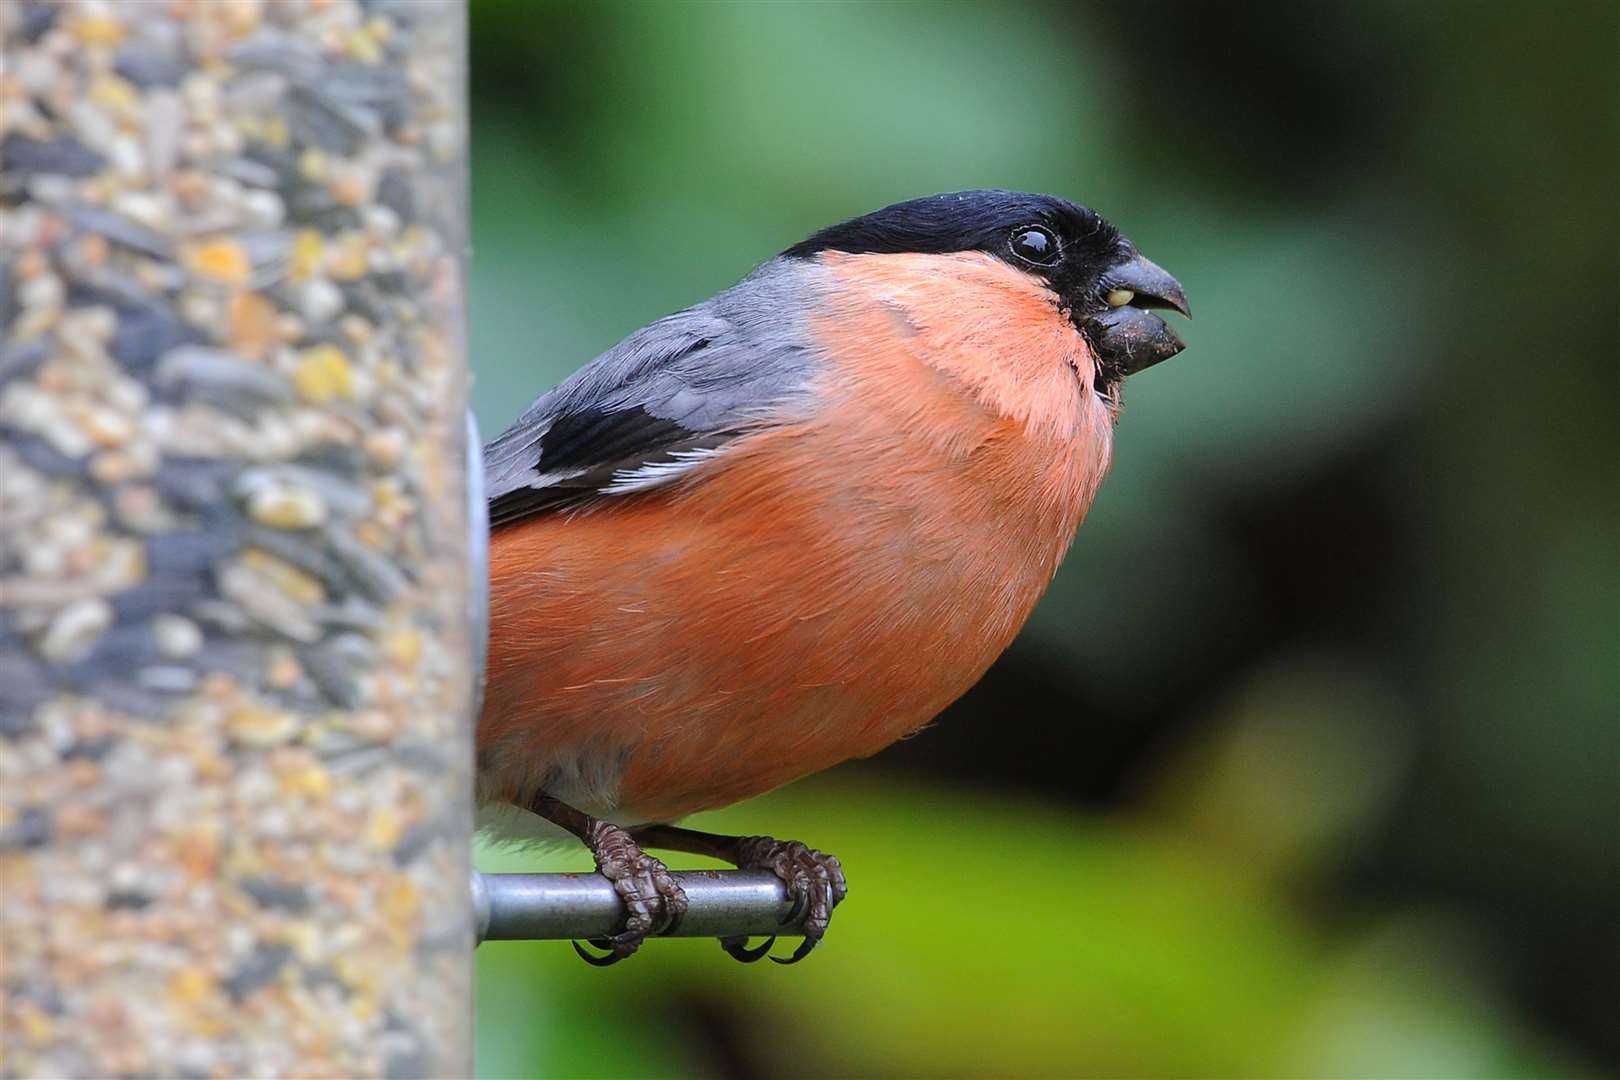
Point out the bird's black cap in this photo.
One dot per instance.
(961, 221)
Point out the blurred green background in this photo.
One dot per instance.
(1310, 762)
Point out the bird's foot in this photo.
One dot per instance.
(653, 900)
(815, 882)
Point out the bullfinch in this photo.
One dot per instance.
(790, 524)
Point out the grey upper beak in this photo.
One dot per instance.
(1153, 286)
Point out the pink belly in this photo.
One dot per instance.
(691, 649)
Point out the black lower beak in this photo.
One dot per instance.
(1128, 337)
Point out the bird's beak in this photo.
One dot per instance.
(1128, 336)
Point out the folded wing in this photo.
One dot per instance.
(663, 401)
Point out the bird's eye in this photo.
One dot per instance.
(1035, 244)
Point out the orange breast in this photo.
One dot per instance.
(822, 588)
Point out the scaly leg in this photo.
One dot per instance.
(815, 881)
(653, 901)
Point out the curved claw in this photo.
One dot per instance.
(801, 904)
(800, 953)
(737, 948)
(611, 958)
(814, 880)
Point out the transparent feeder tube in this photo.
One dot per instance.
(235, 686)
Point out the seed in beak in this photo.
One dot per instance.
(1119, 297)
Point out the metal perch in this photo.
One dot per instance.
(560, 907)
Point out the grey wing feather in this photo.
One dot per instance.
(657, 404)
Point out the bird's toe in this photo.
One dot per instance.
(814, 880)
(654, 901)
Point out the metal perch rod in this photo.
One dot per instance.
(559, 907)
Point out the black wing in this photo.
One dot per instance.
(656, 405)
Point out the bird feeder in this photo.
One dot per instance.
(235, 641)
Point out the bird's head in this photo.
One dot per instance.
(1017, 245)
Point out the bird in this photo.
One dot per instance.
(790, 524)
